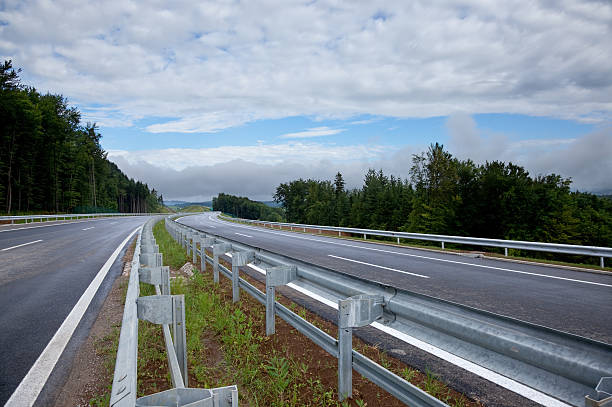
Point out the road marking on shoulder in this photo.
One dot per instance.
(30, 387)
(485, 373)
(20, 245)
(375, 265)
(89, 228)
(421, 257)
(241, 234)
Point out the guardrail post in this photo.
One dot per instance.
(179, 333)
(601, 262)
(364, 236)
(218, 249)
(194, 257)
(156, 276)
(239, 259)
(398, 241)
(353, 312)
(604, 394)
(276, 276)
(442, 245)
(204, 243)
(506, 251)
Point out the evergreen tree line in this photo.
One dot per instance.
(245, 208)
(445, 195)
(51, 162)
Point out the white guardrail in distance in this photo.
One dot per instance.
(67, 216)
(166, 310)
(562, 368)
(596, 251)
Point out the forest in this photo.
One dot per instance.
(445, 195)
(50, 162)
(245, 208)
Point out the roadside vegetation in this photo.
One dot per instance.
(245, 208)
(52, 162)
(448, 196)
(227, 345)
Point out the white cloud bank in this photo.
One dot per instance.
(587, 160)
(208, 65)
(256, 171)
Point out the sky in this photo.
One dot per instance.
(200, 97)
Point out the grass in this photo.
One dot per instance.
(173, 254)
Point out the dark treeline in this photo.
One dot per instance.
(445, 195)
(51, 162)
(245, 208)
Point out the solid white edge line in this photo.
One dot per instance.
(483, 372)
(20, 245)
(375, 265)
(32, 384)
(415, 255)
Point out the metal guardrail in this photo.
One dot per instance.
(48, 218)
(167, 310)
(596, 251)
(562, 366)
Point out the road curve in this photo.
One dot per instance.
(44, 270)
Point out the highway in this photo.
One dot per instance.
(572, 301)
(44, 271)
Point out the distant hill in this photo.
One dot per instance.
(271, 204)
(194, 208)
(183, 204)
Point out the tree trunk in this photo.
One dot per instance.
(9, 194)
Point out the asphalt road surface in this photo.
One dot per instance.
(568, 300)
(572, 301)
(44, 270)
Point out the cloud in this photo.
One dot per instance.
(263, 154)
(209, 65)
(586, 159)
(314, 132)
(255, 171)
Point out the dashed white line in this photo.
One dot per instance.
(20, 245)
(89, 228)
(28, 390)
(423, 257)
(377, 266)
(242, 234)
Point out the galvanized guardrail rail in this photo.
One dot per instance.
(167, 310)
(595, 251)
(563, 367)
(48, 218)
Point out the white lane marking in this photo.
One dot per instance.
(380, 267)
(89, 228)
(490, 375)
(28, 390)
(53, 224)
(425, 257)
(241, 234)
(20, 245)
(112, 223)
